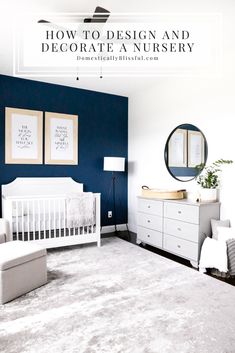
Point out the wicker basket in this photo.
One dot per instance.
(163, 194)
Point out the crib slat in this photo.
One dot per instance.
(64, 218)
(33, 219)
(49, 217)
(17, 219)
(28, 219)
(22, 219)
(69, 226)
(60, 225)
(39, 220)
(44, 217)
(54, 206)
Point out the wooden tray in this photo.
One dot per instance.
(163, 194)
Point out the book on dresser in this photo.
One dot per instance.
(176, 226)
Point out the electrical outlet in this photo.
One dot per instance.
(110, 214)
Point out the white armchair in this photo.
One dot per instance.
(4, 231)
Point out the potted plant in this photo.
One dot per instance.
(209, 179)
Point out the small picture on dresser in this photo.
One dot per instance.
(23, 136)
(61, 138)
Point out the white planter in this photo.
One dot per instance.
(208, 195)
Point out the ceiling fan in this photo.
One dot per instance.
(100, 15)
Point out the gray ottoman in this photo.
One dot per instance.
(22, 268)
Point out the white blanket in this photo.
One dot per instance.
(213, 255)
(80, 209)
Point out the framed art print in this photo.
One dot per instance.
(23, 136)
(177, 149)
(196, 150)
(61, 138)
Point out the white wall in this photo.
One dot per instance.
(208, 103)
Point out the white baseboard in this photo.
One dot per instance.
(111, 229)
(132, 228)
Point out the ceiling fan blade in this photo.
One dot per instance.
(101, 10)
(43, 21)
(52, 25)
(101, 15)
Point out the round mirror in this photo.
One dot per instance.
(186, 148)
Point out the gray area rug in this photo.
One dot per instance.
(120, 299)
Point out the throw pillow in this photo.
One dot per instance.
(225, 233)
(217, 223)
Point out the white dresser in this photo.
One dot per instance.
(176, 226)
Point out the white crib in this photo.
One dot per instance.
(37, 210)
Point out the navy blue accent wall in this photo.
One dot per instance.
(103, 131)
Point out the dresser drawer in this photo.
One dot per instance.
(150, 206)
(187, 231)
(150, 236)
(149, 221)
(181, 247)
(186, 213)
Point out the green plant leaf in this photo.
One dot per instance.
(209, 175)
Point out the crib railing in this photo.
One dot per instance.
(45, 219)
(37, 218)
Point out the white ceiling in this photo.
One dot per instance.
(9, 9)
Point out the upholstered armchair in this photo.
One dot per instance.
(4, 231)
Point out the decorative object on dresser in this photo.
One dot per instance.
(114, 164)
(209, 179)
(162, 193)
(39, 210)
(176, 226)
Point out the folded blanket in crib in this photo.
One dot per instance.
(80, 209)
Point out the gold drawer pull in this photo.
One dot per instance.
(148, 221)
(178, 246)
(179, 212)
(148, 236)
(179, 229)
